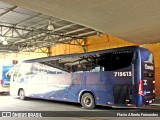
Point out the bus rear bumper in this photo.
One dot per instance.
(149, 99)
(4, 89)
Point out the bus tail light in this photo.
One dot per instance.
(131, 105)
(154, 91)
(150, 101)
(1, 84)
(141, 88)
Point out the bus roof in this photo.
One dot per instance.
(65, 62)
(64, 56)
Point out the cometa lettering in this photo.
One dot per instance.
(147, 67)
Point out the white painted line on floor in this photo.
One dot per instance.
(156, 104)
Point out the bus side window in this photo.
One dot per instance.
(106, 62)
(116, 60)
(121, 59)
(16, 72)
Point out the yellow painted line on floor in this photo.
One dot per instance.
(91, 118)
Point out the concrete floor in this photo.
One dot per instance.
(8, 103)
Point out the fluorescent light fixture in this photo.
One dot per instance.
(50, 27)
(2, 38)
(5, 42)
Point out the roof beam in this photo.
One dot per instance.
(78, 30)
(67, 26)
(84, 34)
(52, 22)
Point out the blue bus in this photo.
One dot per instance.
(5, 71)
(115, 77)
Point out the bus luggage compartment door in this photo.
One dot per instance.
(122, 94)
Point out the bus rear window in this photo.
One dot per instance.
(147, 56)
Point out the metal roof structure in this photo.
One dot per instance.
(136, 21)
(25, 30)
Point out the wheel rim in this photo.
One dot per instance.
(87, 101)
(21, 94)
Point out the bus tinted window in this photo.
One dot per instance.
(44, 69)
(25, 69)
(121, 59)
(116, 60)
(16, 70)
(96, 63)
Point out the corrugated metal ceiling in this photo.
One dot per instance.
(25, 30)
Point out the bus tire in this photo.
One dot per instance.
(22, 94)
(87, 101)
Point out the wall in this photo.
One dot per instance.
(60, 49)
(9, 57)
(93, 43)
(105, 42)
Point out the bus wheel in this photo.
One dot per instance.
(87, 101)
(22, 94)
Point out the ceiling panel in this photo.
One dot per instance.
(4, 5)
(13, 17)
(25, 11)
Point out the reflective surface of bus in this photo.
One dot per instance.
(115, 77)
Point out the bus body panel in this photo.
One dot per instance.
(117, 87)
(147, 76)
(5, 78)
(66, 87)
